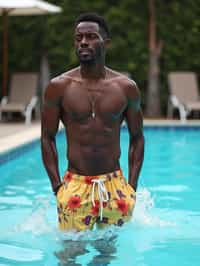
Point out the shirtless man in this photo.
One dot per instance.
(92, 101)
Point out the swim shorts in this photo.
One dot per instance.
(83, 201)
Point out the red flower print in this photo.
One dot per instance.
(122, 206)
(88, 179)
(74, 202)
(104, 204)
(68, 177)
(95, 208)
(96, 203)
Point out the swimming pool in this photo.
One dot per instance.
(165, 229)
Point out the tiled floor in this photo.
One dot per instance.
(16, 134)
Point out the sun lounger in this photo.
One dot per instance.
(22, 97)
(184, 95)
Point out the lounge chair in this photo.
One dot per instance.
(22, 97)
(184, 96)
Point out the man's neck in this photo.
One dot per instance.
(92, 71)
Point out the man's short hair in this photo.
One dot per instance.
(93, 17)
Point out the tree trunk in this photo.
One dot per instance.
(5, 55)
(153, 93)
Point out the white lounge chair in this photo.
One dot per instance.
(22, 97)
(184, 95)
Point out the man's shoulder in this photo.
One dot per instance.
(59, 83)
(122, 77)
(65, 78)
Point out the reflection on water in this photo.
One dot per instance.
(71, 249)
(104, 249)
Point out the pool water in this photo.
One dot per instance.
(165, 228)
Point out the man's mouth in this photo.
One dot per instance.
(84, 51)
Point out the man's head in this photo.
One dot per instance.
(91, 37)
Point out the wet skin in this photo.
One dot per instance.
(92, 101)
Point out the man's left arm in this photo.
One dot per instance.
(134, 119)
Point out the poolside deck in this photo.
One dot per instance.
(16, 134)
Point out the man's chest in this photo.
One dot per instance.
(103, 100)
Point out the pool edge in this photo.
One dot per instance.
(26, 143)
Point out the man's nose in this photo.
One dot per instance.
(84, 42)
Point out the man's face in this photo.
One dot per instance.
(89, 42)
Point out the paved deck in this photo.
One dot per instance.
(13, 135)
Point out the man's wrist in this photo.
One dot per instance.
(56, 188)
(133, 185)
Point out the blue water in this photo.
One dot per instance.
(165, 229)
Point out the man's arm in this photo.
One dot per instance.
(49, 126)
(134, 119)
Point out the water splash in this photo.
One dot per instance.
(144, 211)
(36, 223)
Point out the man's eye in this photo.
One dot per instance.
(78, 37)
(92, 36)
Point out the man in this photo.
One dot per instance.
(92, 101)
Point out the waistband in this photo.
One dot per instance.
(88, 179)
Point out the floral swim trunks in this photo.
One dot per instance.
(83, 201)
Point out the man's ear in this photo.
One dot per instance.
(107, 43)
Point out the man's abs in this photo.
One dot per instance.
(93, 159)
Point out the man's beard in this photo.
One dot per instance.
(87, 59)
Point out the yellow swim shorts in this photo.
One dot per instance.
(83, 201)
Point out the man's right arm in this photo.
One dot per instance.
(49, 126)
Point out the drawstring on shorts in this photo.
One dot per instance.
(102, 193)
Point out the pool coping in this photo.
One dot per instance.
(19, 138)
(21, 142)
(18, 142)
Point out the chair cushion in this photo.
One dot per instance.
(193, 105)
(12, 107)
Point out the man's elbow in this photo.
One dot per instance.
(46, 139)
(141, 142)
(137, 142)
(138, 137)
